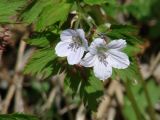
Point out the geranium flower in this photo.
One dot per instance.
(72, 45)
(102, 57)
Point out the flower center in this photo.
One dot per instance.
(101, 50)
(77, 42)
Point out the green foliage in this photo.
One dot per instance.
(40, 87)
(17, 116)
(117, 31)
(48, 18)
(112, 8)
(9, 8)
(42, 40)
(103, 28)
(94, 2)
(92, 92)
(136, 9)
(132, 72)
(34, 9)
(154, 31)
(126, 32)
(90, 89)
(141, 99)
(39, 42)
(41, 63)
(45, 13)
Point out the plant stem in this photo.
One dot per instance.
(133, 101)
(150, 105)
(151, 109)
(82, 14)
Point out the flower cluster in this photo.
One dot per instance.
(99, 55)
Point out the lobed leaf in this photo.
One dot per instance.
(43, 39)
(51, 14)
(90, 90)
(9, 8)
(41, 63)
(95, 2)
(17, 116)
(34, 9)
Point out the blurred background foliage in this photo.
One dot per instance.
(33, 80)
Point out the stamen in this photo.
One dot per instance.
(102, 59)
(77, 42)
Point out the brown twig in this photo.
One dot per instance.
(154, 63)
(104, 105)
(12, 88)
(56, 80)
(81, 114)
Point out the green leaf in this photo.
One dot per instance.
(53, 13)
(17, 116)
(95, 2)
(90, 90)
(128, 109)
(103, 28)
(9, 8)
(124, 32)
(124, 28)
(44, 39)
(131, 50)
(136, 9)
(72, 82)
(140, 98)
(132, 72)
(41, 87)
(41, 63)
(153, 88)
(127, 33)
(112, 8)
(39, 42)
(34, 9)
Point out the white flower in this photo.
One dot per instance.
(102, 57)
(72, 44)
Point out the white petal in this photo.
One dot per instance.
(88, 60)
(81, 34)
(66, 35)
(117, 44)
(117, 59)
(97, 42)
(75, 56)
(62, 49)
(102, 71)
(85, 44)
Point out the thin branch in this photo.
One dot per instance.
(104, 105)
(81, 114)
(12, 88)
